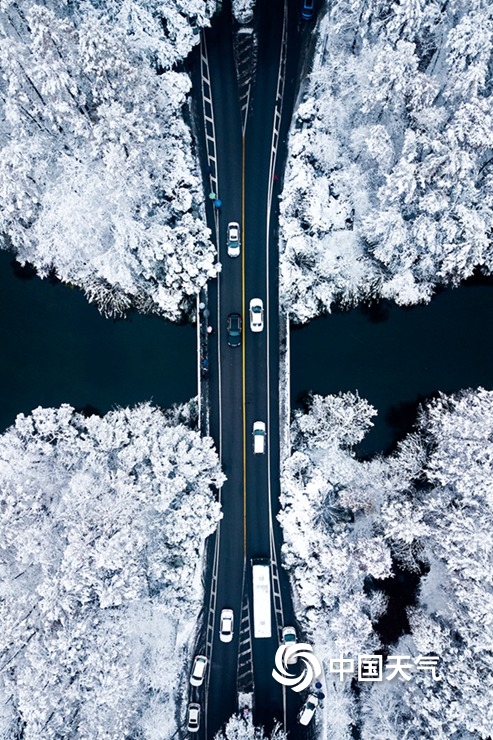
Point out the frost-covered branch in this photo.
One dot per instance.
(388, 190)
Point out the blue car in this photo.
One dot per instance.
(307, 9)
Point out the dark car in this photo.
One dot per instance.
(234, 329)
(307, 8)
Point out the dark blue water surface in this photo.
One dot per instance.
(397, 357)
(57, 348)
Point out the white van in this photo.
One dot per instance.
(258, 437)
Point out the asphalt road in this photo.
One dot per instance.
(226, 373)
(244, 381)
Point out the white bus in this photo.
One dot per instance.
(261, 597)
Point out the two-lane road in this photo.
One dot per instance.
(244, 381)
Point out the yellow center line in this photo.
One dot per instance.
(243, 310)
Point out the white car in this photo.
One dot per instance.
(308, 710)
(258, 437)
(256, 314)
(226, 625)
(289, 638)
(198, 670)
(233, 239)
(193, 717)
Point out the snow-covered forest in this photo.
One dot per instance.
(243, 10)
(242, 728)
(102, 529)
(389, 184)
(428, 510)
(98, 178)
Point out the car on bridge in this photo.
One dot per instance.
(233, 330)
(259, 437)
(233, 239)
(226, 625)
(256, 315)
(193, 717)
(198, 670)
(307, 9)
(308, 710)
(289, 638)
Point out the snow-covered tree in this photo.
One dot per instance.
(427, 508)
(243, 10)
(388, 189)
(98, 180)
(332, 543)
(240, 727)
(453, 616)
(102, 529)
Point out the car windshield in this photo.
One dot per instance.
(256, 309)
(289, 638)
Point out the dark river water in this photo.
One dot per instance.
(397, 357)
(56, 348)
